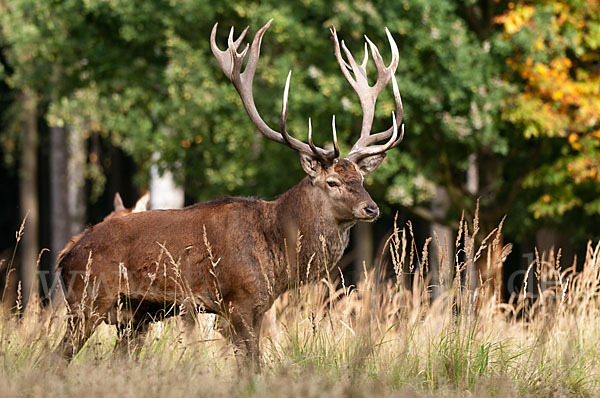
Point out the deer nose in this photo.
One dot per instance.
(371, 210)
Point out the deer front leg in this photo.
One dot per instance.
(81, 325)
(244, 330)
(77, 334)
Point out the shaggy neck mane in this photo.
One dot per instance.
(302, 211)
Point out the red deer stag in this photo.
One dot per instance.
(235, 256)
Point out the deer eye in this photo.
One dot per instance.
(333, 183)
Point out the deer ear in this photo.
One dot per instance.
(310, 165)
(142, 203)
(368, 164)
(118, 203)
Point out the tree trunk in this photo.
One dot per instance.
(549, 240)
(362, 235)
(76, 181)
(28, 192)
(442, 247)
(473, 188)
(59, 196)
(68, 197)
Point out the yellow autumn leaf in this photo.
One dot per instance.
(573, 138)
(556, 95)
(541, 69)
(512, 24)
(514, 20)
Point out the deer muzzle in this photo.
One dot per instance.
(368, 211)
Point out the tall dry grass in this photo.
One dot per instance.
(383, 337)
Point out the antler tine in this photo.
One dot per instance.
(395, 54)
(288, 138)
(221, 56)
(399, 140)
(338, 55)
(383, 75)
(311, 144)
(360, 80)
(248, 74)
(336, 147)
(231, 63)
(363, 152)
(283, 118)
(365, 58)
(233, 45)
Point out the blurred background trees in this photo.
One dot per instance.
(501, 103)
(555, 64)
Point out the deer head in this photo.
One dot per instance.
(339, 180)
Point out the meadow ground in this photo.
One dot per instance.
(384, 337)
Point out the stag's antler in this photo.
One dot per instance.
(231, 62)
(368, 96)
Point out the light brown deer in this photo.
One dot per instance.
(235, 256)
(120, 210)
